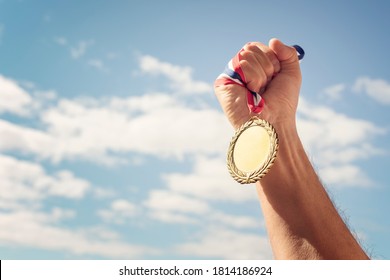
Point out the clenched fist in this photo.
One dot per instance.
(271, 70)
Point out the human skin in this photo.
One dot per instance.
(301, 220)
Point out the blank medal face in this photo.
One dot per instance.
(252, 151)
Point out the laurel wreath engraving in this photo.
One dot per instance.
(254, 176)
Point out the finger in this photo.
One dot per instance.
(261, 62)
(255, 75)
(263, 56)
(268, 52)
(259, 65)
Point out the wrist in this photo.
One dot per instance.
(282, 117)
(291, 162)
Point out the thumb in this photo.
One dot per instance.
(285, 54)
(286, 84)
(288, 58)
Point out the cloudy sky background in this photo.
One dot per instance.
(112, 144)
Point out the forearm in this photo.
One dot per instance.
(301, 220)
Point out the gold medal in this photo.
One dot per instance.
(252, 151)
(253, 148)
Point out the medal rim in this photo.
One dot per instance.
(243, 177)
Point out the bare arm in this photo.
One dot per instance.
(301, 221)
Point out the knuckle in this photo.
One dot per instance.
(252, 48)
(245, 64)
(247, 55)
(269, 70)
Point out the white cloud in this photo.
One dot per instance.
(170, 129)
(24, 188)
(81, 48)
(119, 212)
(58, 214)
(72, 126)
(236, 221)
(344, 155)
(334, 139)
(99, 192)
(162, 200)
(143, 104)
(182, 206)
(334, 92)
(210, 179)
(171, 207)
(26, 140)
(65, 184)
(13, 98)
(16, 100)
(347, 175)
(190, 198)
(322, 127)
(220, 242)
(35, 230)
(172, 217)
(215, 228)
(27, 183)
(377, 89)
(180, 77)
(123, 206)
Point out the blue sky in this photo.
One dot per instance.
(112, 144)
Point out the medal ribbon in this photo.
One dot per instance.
(233, 75)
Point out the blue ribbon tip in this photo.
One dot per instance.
(300, 51)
